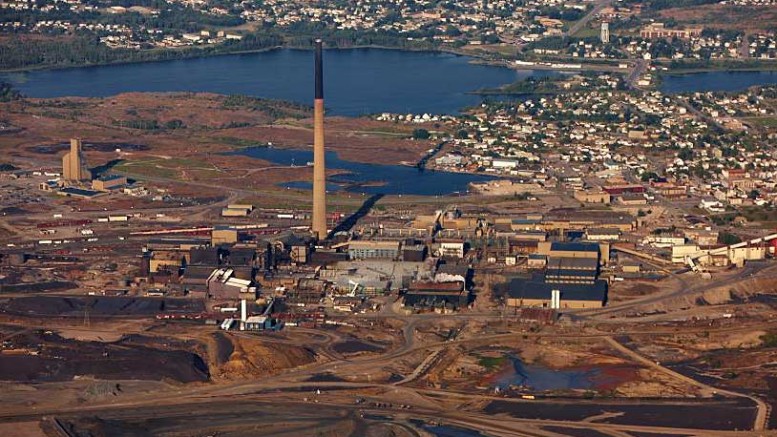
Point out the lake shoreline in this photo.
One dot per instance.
(714, 80)
(687, 71)
(498, 93)
(475, 57)
(390, 80)
(742, 64)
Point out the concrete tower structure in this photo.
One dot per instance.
(73, 164)
(319, 166)
(605, 33)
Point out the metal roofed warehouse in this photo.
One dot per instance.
(534, 292)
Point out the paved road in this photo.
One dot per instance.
(744, 47)
(287, 396)
(640, 65)
(689, 283)
(290, 383)
(276, 388)
(601, 4)
(762, 413)
(704, 117)
(422, 368)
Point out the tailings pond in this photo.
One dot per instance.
(370, 178)
(515, 374)
(540, 378)
(717, 414)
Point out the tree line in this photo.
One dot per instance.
(19, 52)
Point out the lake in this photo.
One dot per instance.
(370, 178)
(357, 81)
(716, 81)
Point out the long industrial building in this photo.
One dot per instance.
(569, 280)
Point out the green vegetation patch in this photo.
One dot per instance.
(240, 142)
(728, 238)
(274, 108)
(491, 363)
(690, 66)
(23, 53)
(161, 168)
(421, 134)
(723, 219)
(587, 32)
(769, 340)
(764, 122)
(657, 5)
(140, 124)
(759, 213)
(8, 93)
(549, 85)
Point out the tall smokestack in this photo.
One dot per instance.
(319, 166)
(243, 314)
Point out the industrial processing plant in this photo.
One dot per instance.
(479, 250)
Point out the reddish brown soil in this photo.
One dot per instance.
(751, 18)
(210, 128)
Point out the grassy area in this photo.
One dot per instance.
(502, 49)
(168, 168)
(769, 340)
(766, 216)
(764, 122)
(201, 174)
(759, 214)
(302, 200)
(381, 133)
(491, 363)
(186, 163)
(239, 142)
(149, 168)
(723, 219)
(682, 67)
(717, 16)
(586, 32)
